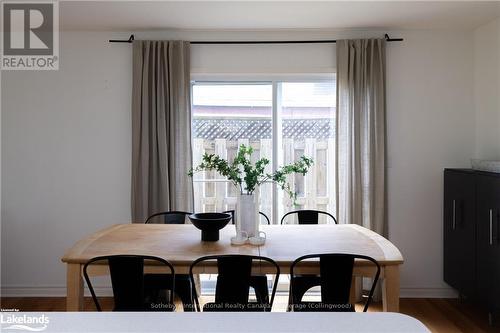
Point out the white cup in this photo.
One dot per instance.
(258, 240)
(240, 238)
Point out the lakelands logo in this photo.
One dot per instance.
(24, 322)
(30, 35)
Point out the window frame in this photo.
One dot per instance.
(275, 80)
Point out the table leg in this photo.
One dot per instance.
(390, 289)
(74, 288)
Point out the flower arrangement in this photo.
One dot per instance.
(248, 176)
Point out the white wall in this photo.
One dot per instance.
(66, 147)
(430, 126)
(66, 142)
(487, 90)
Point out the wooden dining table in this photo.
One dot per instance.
(181, 245)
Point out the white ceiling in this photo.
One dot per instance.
(250, 15)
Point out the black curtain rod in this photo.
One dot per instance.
(331, 41)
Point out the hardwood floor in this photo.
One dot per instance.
(439, 315)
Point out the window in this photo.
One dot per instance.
(281, 120)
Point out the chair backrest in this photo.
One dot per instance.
(233, 281)
(170, 217)
(308, 216)
(127, 280)
(233, 216)
(335, 273)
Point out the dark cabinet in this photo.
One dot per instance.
(459, 231)
(471, 229)
(488, 245)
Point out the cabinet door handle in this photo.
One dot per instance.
(491, 226)
(454, 216)
(498, 226)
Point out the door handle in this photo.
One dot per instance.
(491, 226)
(454, 216)
(497, 238)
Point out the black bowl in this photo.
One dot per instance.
(210, 224)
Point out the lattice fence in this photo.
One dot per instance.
(315, 190)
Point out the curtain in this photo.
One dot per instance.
(161, 128)
(361, 133)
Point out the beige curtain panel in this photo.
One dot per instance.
(361, 133)
(161, 128)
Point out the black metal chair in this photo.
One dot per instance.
(127, 280)
(159, 282)
(257, 282)
(233, 219)
(233, 282)
(335, 281)
(169, 217)
(308, 216)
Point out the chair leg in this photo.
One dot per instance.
(196, 301)
(185, 292)
(301, 284)
(158, 285)
(259, 284)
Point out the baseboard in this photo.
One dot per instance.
(58, 291)
(428, 293)
(49, 291)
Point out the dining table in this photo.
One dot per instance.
(181, 244)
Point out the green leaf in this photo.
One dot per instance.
(247, 176)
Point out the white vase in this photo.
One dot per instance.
(247, 213)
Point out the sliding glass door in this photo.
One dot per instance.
(306, 117)
(281, 120)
